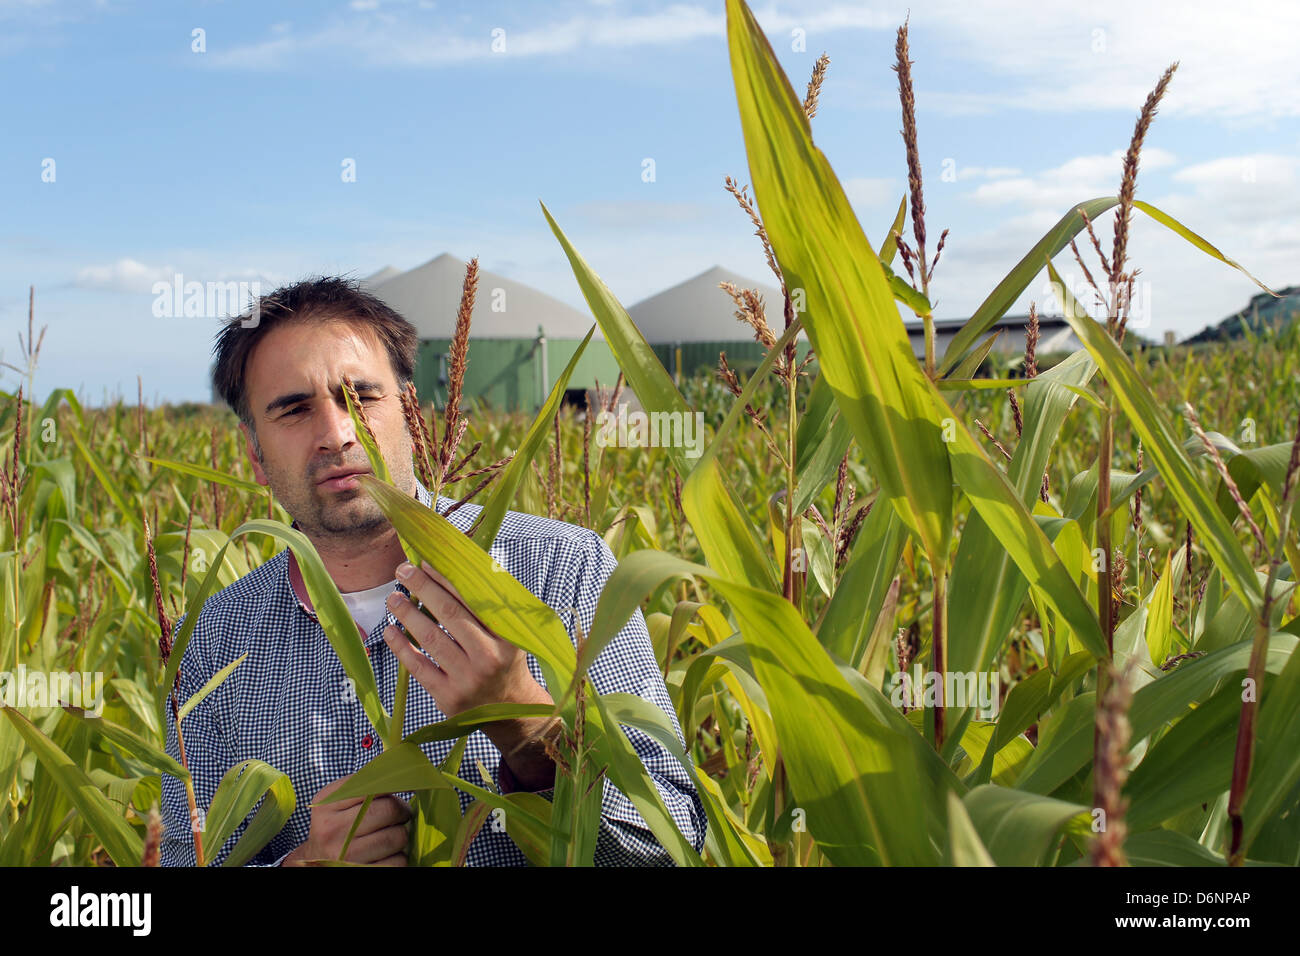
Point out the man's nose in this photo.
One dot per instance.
(337, 430)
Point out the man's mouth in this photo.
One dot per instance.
(342, 479)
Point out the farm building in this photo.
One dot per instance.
(1054, 335)
(520, 339)
(687, 325)
(690, 323)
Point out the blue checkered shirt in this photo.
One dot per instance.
(288, 703)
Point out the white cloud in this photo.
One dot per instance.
(1246, 205)
(389, 39)
(1259, 193)
(1049, 56)
(1237, 63)
(1240, 174)
(124, 275)
(1083, 177)
(133, 277)
(865, 192)
(833, 17)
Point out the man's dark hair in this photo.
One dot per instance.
(322, 299)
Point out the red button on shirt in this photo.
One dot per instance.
(367, 741)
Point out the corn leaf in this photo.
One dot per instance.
(501, 603)
(864, 352)
(209, 474)
(655, 390)
(122, 843)
(857, 777)
(406, 768)
(846, 624)
(1169, 698)
(240, 789)
(1017, 827)
(1169, 222)
(1160, 617)
(110, 485)
(985, 581)
(611, 748)
(1276, 768)
(181, 639)
(822, 439)
(965, 848)
(1190, 765)
(1158, 439)
(148, 753)
(213, 682)
(889, 245)
(1017, 280)
(637, 712)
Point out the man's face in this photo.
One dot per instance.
(309, 448)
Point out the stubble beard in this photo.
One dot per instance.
(346, 518)
(337, 516)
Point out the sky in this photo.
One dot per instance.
(270, 141)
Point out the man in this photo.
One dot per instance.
(289, 703)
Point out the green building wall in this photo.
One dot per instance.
(506, 373)
(741, 355)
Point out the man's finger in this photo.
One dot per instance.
(383, 812)
(445, 604)
(427, 633)
(424, 670)
(438, 579)
(379, 845)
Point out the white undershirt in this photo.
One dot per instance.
(368, 607)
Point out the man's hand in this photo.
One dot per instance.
(381, 837)
(470, 668)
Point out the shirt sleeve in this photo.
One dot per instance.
(208, 756)
(628, 665)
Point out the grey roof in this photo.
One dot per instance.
(383, 275)
(429, 297)
(1016, 323)
(1056, 335)
(698, 311)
